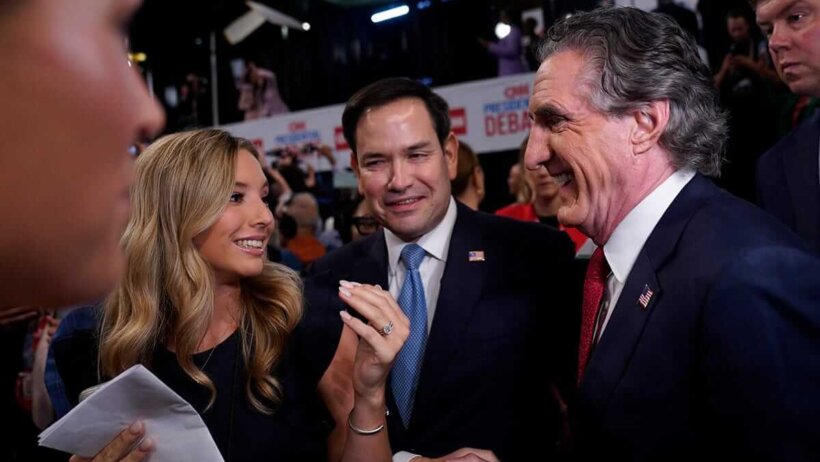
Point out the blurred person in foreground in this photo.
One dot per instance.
(67, 170)
(489, 299)
(203, 309)
(700, 331)
(64, 161)
(788, 180)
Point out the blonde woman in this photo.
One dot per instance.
(203, 309)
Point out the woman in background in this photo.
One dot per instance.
(543, 202)
(468, 185)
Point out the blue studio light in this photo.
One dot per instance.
(391, 13)
(423, 4)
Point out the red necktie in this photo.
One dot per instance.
(594, 284)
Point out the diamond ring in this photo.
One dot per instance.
(387, 329)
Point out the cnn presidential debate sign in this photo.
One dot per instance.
(490, 115)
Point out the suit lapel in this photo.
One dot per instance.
(371, 266)
(611, 356)
(802, 178)
(368, 266)
(458, 297)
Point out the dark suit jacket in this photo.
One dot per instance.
(500, 328)
(724, 362)
(788, 182)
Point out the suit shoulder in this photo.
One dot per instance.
(501, 224)
(774, 156)
(527, 237)
(772, 160)
(341, 257)
(726, 224)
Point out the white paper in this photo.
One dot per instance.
(178, 432)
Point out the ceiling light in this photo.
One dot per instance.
(390, 13)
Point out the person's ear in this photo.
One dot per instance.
(650, 123)
(450, 148)
(354, 164)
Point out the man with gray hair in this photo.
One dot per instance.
(788, 184)
(701, 333)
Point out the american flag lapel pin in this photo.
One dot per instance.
(646, 296)
(475, 255)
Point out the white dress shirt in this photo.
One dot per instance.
(436, 243)
(631, 234)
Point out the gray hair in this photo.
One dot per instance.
(634, 58)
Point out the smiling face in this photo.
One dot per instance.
(793, 28)
(404, 172)
(73, 107)
(586, 152)
(234, 246)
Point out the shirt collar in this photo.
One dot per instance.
(631, 234)
(436, 242)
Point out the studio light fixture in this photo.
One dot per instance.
(502, 30)
(391, 13)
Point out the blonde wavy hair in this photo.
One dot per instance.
(183, 182)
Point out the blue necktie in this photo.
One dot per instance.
(405, 373)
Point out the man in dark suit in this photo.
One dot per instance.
(700, 333)
(788, 183)
(491, 301)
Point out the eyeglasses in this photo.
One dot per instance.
(366, 225)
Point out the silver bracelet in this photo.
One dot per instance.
(360, 431)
